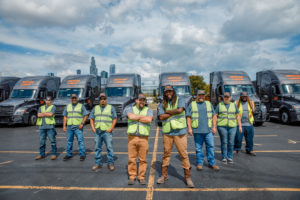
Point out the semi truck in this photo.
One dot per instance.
(7, 83)
(86, 87)
(280, 92)
(121, 91)
(236, 82)
(25, 99)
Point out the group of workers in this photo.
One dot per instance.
(199, 119)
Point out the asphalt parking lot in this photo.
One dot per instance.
(272, 174)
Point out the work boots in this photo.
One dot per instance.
(187, 176)
(164, 175)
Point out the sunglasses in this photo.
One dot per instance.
(103, 98)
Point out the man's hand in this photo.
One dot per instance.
(214, 130)
(240, 129)
(109, 130)
(94, 130)
(190, 131)
(64, 129)
(80, 127)
(40, 115)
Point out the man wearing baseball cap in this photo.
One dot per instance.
(103, 119)
(227, 118)
(246, 109)
(172, 113)
(75, 116)
(139, 121)
(199, 120)
(46, 123)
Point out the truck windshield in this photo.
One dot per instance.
(20, 94)
(67, 92)
(237, 89)
(291, 88)
(119, 92)
(180, 89)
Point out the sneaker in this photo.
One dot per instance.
(95, 167)
(199, 167)
(67, 157)
(39, 157)
(142, 182)
(224, 160)
(53, 157)
(131, 182)
(111, 167)
(214, 167)
(251, 153)
(230, 161)
(82, 158)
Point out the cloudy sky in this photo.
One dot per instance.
(148, 37)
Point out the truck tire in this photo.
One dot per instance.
(258, 123)
(32, 119)
(285, 117)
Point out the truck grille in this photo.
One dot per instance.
(118, 108)
(6, 110)
(59, 110)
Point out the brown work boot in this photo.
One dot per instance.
(164, 175)
(214, 167)
(39, 157)
(53, 157)
(111, 167)
(199, 167)
(187, 176)
(95, 167)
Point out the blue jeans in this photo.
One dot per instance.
(227, 136)
(43, 136)
(248, 133)
(100, 137)
(70, 137)
(208, 139)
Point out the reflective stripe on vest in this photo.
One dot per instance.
(250, 112)
(133, 126)
(195, 114)
(103, 120)
(48, 120)
(227, 117)
(75, 116)
(174, 122)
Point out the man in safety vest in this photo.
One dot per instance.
(46, 123)
(227, 118)
(172, 113)
(246, 109)
(139, 122)
(103, 119)
(199, 122)
(75, 116)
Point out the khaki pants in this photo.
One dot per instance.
(181, 145)
(137, 147)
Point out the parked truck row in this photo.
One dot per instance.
(276, 93)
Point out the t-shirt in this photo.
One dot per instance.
(83, 111)
(44, 125)
(245, 115)
(202, 120)
(181, 104)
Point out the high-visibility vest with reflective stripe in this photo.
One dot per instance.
(250, 111)
(48, 120)
(227, 117)
(133, 126)
(174, 122)
(103, 120)
(195, 114)
(75, 116)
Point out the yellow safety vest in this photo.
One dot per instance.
(75, 116)
(133, 126)
(103, 120)
(48, 120)
(250, 112)
(227, 117)
(176, 121)
(195, 114)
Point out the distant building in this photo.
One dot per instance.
(149, 89)
(50, 74)
(104, 74)
(78, 71)
(112, 69)
(93, 68)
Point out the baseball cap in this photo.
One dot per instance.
(227, 94)
(244, 94)
(168, 88)
(141, 96)
(74, 96)
(201, 92)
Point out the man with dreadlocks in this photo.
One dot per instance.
(246, 109)
(172, 113)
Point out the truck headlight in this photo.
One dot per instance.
(20, 111)
(263, 108)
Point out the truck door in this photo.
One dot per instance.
(275, 103)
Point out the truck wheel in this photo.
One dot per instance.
(32, 119)
(285, 117)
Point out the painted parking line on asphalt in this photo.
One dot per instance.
(6, 162)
